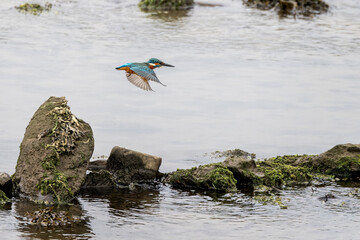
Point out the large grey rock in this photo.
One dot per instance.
(129, 166)
(54, 154)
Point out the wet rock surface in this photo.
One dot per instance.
(211, 176)
(124, 168)
(342, 161)
(291, 7)
(97, 165)
(6, 184)
(54, 154)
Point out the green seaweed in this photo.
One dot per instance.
(3, 198)
(57, 185)
(345, 166)
(278, 171)
(270, 199)
(222, 179)
(213, 176)
(34, 8)
(64, 134)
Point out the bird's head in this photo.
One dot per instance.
(154, 62)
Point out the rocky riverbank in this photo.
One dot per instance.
(54, 167)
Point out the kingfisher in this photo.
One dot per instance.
(139, 74)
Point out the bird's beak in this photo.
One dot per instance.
(118, 68)
(167, 65)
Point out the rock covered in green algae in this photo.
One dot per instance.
(280, 171)
(342, 161)
(166, 5)
(211, 176)
(54, 154)
(34, 8)
(244, 170)
(292, 7)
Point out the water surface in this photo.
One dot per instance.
(243, 79)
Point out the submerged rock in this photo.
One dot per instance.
(124, 167)
(34, 8)
(165, 5)
(291, 7)
(54, 154)
(48, 217)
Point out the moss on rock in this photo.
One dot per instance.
(278, 171)
(54, 154)
(165, 5)
(211, 176)
(3, 198)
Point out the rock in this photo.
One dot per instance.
(6, 184)
(54, 154)
(211, 176)
(290, 7)
(342, 161)
(244, 170)
(165, 5)
(3, 198)
(97, 165)
(99, 179)
(129, 166)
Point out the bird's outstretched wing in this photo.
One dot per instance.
(147, 73)
(138, 81)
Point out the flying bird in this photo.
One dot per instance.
(140, 74)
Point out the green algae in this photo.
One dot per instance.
(56, 185)
(213, 176)
(3, 198)
(222, 179)
(64, 134)
(34, 8)
(270, 199)
(165, 5)
(278, 171)
(345, 166)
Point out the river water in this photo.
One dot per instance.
(243, 78)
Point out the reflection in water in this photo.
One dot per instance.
(170, 16)
(57, 232)
(125, 203)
